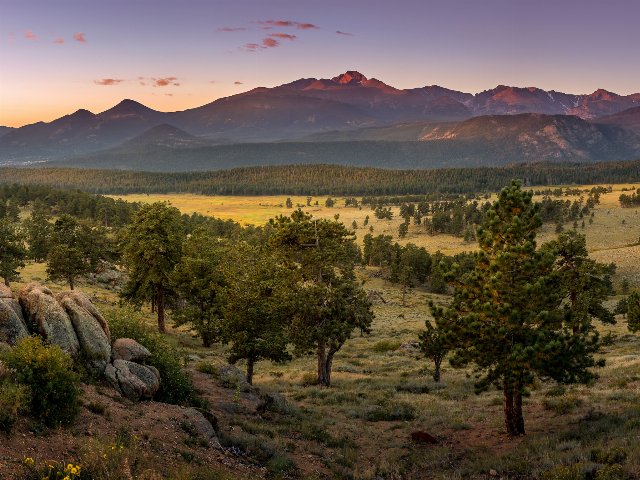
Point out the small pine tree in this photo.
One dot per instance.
(403, 229)
(289, 203)
(434, 346)
(633, 312)
(12, 250)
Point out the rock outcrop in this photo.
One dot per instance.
(133, 380)
(12, 325)
(71, 321)
(47, 317)
(130, 350)
(90, 328)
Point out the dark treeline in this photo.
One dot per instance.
(325, 179)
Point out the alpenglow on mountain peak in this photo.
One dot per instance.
(350, 77)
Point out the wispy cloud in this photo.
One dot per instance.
(344, 33)
(165, 82)
(230, 29)
(80, 37)
(287, 23)
(108, 81)
(251, 47)
(29, 35)
(237, 82)
(284, 36)
(58, 40)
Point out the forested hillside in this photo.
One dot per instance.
(325, 179)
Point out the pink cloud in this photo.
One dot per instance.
(80, 37)
(287, 23)
(29, 35)
(306, 26)
(108, 81)
(230, 29)
(344, 33)
(251, 47)
(165, 81)
(270, 43)
(285, 36)
(58, 41)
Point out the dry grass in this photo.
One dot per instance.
(608, 238)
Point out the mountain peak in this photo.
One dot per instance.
(350, 77)
(127, 107)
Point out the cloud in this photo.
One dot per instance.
(165, 81)
(270, 43)
(306, 26)
(80, 37)
(285, 36)
(344, 33)
(29, 35)
(230, 29)
(108, 81)
(267, 24)
(251, 47)
(58, 40)
(237, 82)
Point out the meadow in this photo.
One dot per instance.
(614, 235)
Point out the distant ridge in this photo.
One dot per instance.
(294, 111)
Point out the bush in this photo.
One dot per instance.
(14, 400)
(609, 457)
(175, 384)
(388, 412)
(384, 346)
(562, 472)
(561, 405)
(48, 373)
(611, 472)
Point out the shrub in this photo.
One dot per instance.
(14, 400)
(611, 472)
(609, 457)
(175, 384)
(384, 346)
(207, 367)
(391, 411)
(48, 373)
(561, 405)
(563, 472)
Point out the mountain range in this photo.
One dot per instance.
(346, 119)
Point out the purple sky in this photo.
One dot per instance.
(60, 55)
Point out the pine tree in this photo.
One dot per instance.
(151, 248)
(12, 249)
(260, 298)
(38, 232)
(507, 316)
(331, 303)
(633, 312)
(434, 346)
(199, 279)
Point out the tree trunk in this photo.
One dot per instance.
(436, 372)
(325, 361)
(6, 281)
(206, 340)
(70, 283)
(517, 409)
(250, 363)
(404, 291)
(160, 305)
(153, 304)
(509, 412)
(322, 355)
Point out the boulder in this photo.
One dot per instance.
(12, 325)
(47, 316)
(90, 328)
(134, 381)
(130, 350)
(201, 426)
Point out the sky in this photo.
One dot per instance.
(57, 56)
